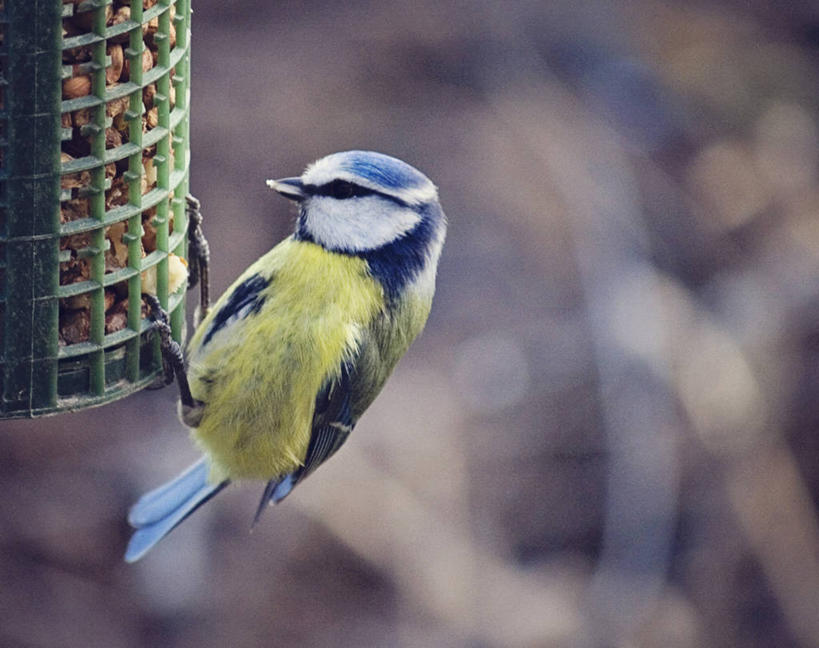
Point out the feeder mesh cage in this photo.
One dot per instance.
(94, 161)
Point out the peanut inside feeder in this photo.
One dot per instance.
(117, 130)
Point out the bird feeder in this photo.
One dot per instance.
(94, 162)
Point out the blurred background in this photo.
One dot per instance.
(605, 436)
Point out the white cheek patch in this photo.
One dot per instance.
(357, 224)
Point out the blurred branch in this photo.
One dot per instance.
(645, 364)
(435, 565)
(584, 167)
(627, 324)
(777, 514)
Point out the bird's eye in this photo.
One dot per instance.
(341, 189)
(338, 189)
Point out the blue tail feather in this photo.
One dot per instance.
(158, 503)
(159, 511)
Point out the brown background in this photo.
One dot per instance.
(605, 437)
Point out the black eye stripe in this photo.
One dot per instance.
(342, 189)
(339, 189)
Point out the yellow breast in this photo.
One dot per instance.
(259, 376)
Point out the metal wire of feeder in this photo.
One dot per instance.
(94, 160)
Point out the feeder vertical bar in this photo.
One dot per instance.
(97, 205)
(180, 141)
(162, 100)
(32, 164)
(134, 114)
(3, 195)
(136, 170)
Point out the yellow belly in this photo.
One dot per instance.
(259, 376)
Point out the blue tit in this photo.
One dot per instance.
(293, 353)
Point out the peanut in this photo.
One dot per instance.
(74, 87)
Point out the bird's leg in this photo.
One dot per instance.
(198, 257)
(173, 362)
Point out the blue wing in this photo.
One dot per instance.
(332, 420)
(332, 424)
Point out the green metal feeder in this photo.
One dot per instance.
(94, 160)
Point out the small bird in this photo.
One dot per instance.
(293, 353)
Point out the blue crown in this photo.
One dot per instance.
(380, 169)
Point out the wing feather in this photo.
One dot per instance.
(332, 424)
(245, 299)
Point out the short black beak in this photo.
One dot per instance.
(290, 188)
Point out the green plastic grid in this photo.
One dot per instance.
(41, 374)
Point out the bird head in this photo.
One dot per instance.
(370, 205)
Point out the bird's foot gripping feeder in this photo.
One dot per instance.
(94, 160)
